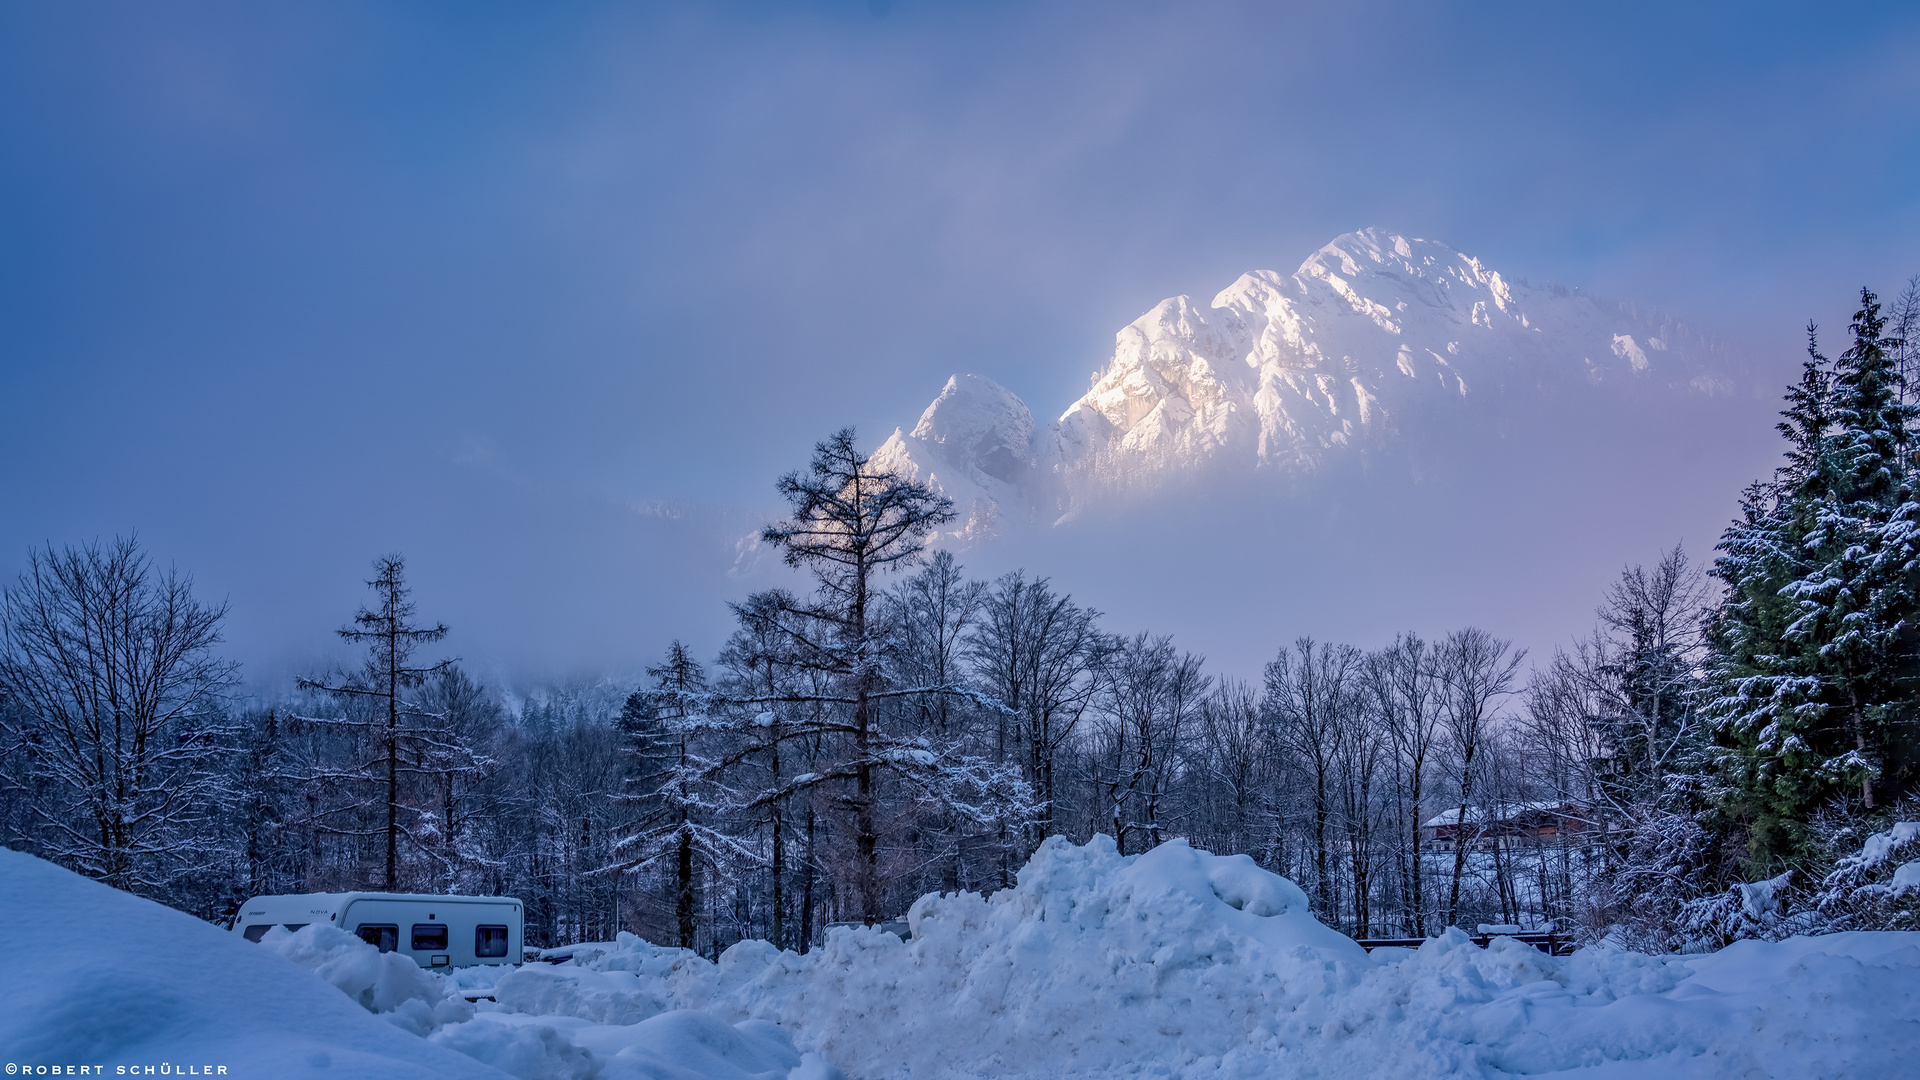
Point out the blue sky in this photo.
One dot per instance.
(286, 286)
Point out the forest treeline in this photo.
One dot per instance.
(901, 728)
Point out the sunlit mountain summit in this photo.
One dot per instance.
(1376, 342)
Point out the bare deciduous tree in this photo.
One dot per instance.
(1151, 694)
(1041, 654)
(1238, 749)
(1309, 692)
(116, 691)
(1406, 694)
(1477, 670)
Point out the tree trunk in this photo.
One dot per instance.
(776, 809)
(806, 889)
(1323, 878)
(393, 754)
(1459, 861)
(1419, 888)
(684, 873)
(866, 835)
(1860, 744)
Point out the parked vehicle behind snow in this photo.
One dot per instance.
(436, 931)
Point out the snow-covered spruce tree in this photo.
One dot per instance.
(678, 802)
(1813, 653)
(1877, 886)
(113, 714)
(1856, 877)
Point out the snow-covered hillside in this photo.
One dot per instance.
(1171, 963)
(1372, 335)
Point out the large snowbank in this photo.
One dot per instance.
(1172, 963)
(92, 976)
(1181, 963)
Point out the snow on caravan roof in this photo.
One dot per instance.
(332, 901)
(97, 975)
(298, 909)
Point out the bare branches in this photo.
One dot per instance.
(117, 691)
(406, 746)
(851, 520)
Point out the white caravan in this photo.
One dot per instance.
(436, 931)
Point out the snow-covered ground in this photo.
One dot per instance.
(1172, 963)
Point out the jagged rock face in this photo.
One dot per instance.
(1281, 373)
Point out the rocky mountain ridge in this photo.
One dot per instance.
(1374, 337)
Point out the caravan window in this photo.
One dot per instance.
(384, 936)
(257, 931)
(429, 936)
(489, 941)
(292, 926)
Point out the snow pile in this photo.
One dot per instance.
(1093, 962)
(388, 984)
(93, 976)
(528, 1051)
(678, 1045)
(1172, 963)
(1177, 962)
(1844, 1005)
(622, 983)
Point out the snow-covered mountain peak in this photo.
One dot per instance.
(1390, 278)
(983, 423)
(974, 444)
(1281, 372)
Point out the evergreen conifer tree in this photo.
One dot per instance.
(1814, 644)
